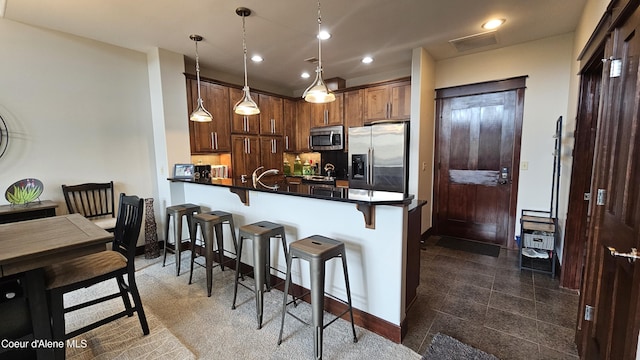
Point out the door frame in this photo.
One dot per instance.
(519, 85)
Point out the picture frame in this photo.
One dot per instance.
(183, 171)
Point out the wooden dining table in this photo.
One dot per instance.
(29, 246)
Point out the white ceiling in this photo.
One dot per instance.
(283, 31)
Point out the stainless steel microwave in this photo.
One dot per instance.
(327, 138)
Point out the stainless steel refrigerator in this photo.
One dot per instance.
(378, 157)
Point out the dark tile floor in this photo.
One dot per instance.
(488, 303)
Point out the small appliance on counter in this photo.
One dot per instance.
(203, 172)
(378, 157)
(337, 160)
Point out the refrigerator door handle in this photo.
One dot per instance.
(370, 170)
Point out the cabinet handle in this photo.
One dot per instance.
(326, 116)
(286, 142)
(248, 146)
(273, 146)
(213, 142)
(273, 126)
(215, 137)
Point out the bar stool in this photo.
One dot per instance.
(317, 250)
(261, 233)
(177, 212)
(210, 222)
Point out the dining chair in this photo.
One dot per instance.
(95, 268)
(95, 201)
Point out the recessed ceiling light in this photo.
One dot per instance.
(323, 35)
(367, 60)
(305, 75)
(493, 24)
(257, 58)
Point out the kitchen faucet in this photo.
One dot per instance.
(256, 178)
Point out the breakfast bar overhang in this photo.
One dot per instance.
(373, 226)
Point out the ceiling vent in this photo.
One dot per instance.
(475, 41)
(313, 60)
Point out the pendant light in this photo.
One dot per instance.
(246, 105)
(318, 92)
(200, 114)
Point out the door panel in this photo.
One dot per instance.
(476, 140)
(612, 284)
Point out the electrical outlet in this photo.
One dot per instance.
(424, 166)
(524, 165)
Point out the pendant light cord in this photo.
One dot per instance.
(319, 40)
(244, 48)
(198, 71)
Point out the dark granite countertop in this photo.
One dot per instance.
(279, 185)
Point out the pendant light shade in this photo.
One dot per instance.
(200, 114)
(318, 92)
(246, 105)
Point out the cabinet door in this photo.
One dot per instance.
(353, 112)
(328, 114)
(303, 124)
(214, 136)
(400, 107)
(289, 116)
(241, 124)
(271, 121)
(335, 111)
(245, 156)
(271, 152)
(376, 103)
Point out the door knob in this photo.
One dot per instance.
(631, 256)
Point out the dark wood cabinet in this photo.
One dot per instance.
(353, 112)
(289, 116)
(213, 136)
(328, 114)
(246, 155)
(303, 125)
(271, 115)
(271, 152)
(390, 101)
(243, 124)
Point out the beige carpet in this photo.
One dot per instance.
(123, 338)
(185, 323)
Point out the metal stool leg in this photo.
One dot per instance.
(235, 287)
(346, 282)
(260, 253)
(287, 282)
(193, 253)
(317, 304)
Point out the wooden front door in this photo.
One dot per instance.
(610, 292)
(478, 152)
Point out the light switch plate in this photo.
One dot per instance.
(524, 165)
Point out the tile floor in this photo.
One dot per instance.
(490, 304)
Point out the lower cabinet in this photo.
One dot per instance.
(245, 155)
(252, 151)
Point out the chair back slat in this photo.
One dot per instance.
(129, 222)
(90, 199)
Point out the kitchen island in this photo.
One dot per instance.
(372, 224)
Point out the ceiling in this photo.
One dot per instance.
(283, 31)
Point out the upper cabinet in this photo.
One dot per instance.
(328, 114)
(387, 102)
(289, 115)
(213, 136)
(353, 112)
(271, 115)
(303, 124)
(243, 124)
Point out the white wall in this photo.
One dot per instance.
(77, 111)
(547, 63)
